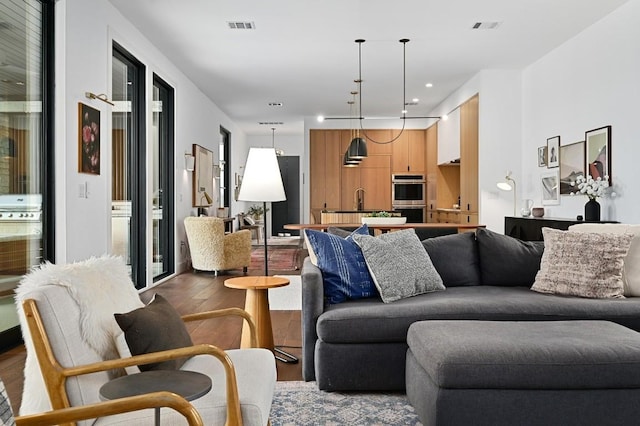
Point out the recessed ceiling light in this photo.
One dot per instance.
(428, 85)
(270, 123)
(415, 100)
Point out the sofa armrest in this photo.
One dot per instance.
(312, 308)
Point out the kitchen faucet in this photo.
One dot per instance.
(358, 199)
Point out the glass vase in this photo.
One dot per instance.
(592, 211)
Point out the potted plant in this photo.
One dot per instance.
(383, 218)
(256, 211)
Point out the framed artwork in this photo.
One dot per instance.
(542, 156)
(202, 177)
(553, 152)
(550, 188)
(88, 139)
(571, 166)
(597, 149)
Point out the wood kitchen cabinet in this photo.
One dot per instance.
(409, 152)
(469, 160)
(325, 166)
(431, 171)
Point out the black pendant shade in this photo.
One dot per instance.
(357, 149)
(349, 162)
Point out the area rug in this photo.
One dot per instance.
(287, 298)
(301, 403)
(281, 258)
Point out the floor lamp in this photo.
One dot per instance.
(262, 182)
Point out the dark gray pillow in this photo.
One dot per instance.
(399, 265)
(507, 261)
(339, 232)
(455, 257)
(153, 328)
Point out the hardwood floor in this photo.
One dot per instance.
(193, 292)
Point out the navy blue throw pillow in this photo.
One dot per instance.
(344, 272)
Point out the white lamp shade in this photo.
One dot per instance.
(505, 186)
(262, 180)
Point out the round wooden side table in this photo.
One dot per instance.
(257, 305)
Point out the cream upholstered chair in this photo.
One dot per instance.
(212, 250)
(55, 417)
(74, 346)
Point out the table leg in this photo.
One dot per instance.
(157, 416)
(257, 304)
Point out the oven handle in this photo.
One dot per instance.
(409, 206)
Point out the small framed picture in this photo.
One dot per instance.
(553, 152)
(542, 156)
(550, 188)
(597, 150)
(88, 139)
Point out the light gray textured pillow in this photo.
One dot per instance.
(582, 264)
(399, 265)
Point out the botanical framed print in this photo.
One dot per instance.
(202, 176)
(542, 156)
(88, 139)
(550, 188)
(571, 166)
(597, 148)
(553, 152)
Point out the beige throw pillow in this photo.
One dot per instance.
(631, 269)
(582, 264)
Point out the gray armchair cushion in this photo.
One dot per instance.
(455, 257)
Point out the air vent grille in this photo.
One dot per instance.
(270, 123)
(241, 25)
(275, 104)
(486, 25)
(411, 103)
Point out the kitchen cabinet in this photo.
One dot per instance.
(409, 152)
(325, 164)
(431, 171)
(469, 157)
(449, 138)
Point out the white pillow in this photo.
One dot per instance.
(631, 268)
(249, 220)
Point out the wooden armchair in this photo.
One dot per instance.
(213, 250)
(66, 415)
(73, 369)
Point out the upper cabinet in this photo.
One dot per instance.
(449, 138)
(408, 152)
(324, 170)
(469, 159)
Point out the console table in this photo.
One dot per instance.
(530, 228)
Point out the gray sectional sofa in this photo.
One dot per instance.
(362, 344)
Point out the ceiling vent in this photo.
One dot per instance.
(411, 103)
(239, 25)
(275, 104)
(270, 123)
(485, 25)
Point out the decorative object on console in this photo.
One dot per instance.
(582, 264)
(262, 181)
(525, 211)
(509, 184)
(593, 188)
(538, 211)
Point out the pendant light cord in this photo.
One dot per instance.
(404, 42)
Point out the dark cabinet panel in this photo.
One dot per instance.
(530, 228)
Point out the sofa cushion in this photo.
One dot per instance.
(631, 263)
(399, 265)
(344, 271)
(153, 328)
(582, 264)
(507, 261)
(455, 257)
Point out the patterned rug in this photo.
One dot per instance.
(281, 258)
(301, 403)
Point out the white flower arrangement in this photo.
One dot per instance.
(592, 188)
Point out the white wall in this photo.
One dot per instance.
(588, 82)
(83, 63)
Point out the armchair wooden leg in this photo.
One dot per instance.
(244, 270)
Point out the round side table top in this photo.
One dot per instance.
(256, 282)
(188, 384)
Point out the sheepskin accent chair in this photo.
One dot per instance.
(212, 249)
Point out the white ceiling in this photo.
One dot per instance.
(302, 52)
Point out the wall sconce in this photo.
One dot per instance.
(189, 162)
(509, 184)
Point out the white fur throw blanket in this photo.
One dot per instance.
(100, 286)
